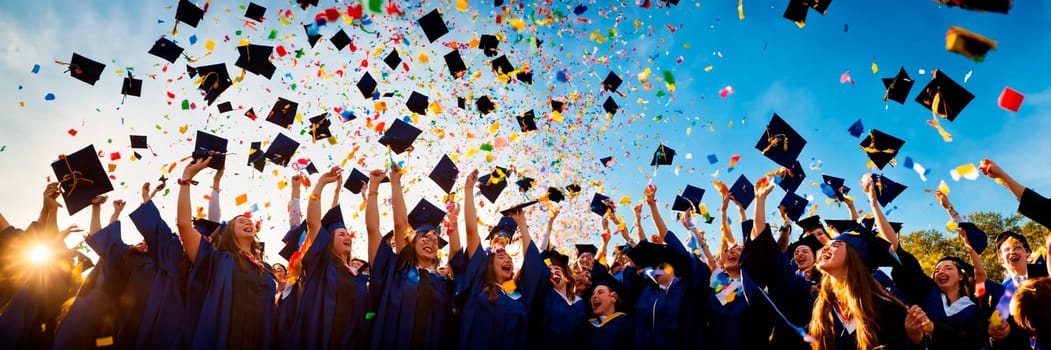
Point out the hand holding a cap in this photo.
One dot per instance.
(195, 167)
(763, 187)
(51, 193)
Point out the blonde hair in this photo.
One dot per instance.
(856, 293)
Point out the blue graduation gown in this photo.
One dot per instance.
(795, 296)
(235, 306)
(503, 324)
(94, 313)
(671, 319)
(967, 329)
(615, 333)
(394, 293)
(747, 320)
(333, 303)
(162, 325)
(562, 323)
(891, 323)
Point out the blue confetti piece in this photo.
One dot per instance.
(580, 9)
(36, 68)
(562, 76)
(908, 162)
(828, 191)
(49, 97)
(20, 87)
(347, 115)
(193, 39)
(712, 159)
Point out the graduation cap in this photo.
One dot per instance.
(743, 191)
(886, 189)
(312, 34)
(869, 223)
(881, 147)
(573, 189)
(598, 204)
(283, 112)
(311, 168)
(292, 240)
(794, 205)
(843, 226)
(367, 86)
(518, 207)
(207, 227)
(256, 59)
(810, 223)
(85, 69)
(333, 219)
(610, 105)
(689, 199)
(81, 177)
(417, 103)
(188, 13)
(833, 187)
(968, 43)
(606, 161)
(207, 143)
(874, 251)
(306, 3)
(525, 183)
(949, 97)
(214, 80)
(898, 87)
(433, 25)
(662, 156)
(502, 65)
(484, 105)
(357, 180)
(255, 12)
(502, 232)
(557, 106)
(281, 150)
(399, 136)
(796, 11)
(166, 49)
(612, 82)
(492, 184)
(614, 286)
(455, 63)
(131, 86)
(225, 107)
(426, 217)
(388, 236)
(555, 194)
(525, 77)
(340, 39)
(780, 143)
(552, 257)
(979, 239)
(256, 157)
(445, 174)
(488, 44)
(138, 141)
(586, 248)
(809, 241)
(857, 128)
(393, 59)
(792, 177)
(319, 127)
(527, 121)
(998, 6)
(461, 102)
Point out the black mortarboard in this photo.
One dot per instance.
(554, 258)
(207, 143)
(492, 184)
(256, 157)
(842, 226)
(357, 180)
(796, 11)
(869, 223)
(442, 242)
(874, 251)
(433, 25)
(898, 87)
(399, 136)
(139, 141)
(527, 121)
(206, 227)
(445, 174)
(191, 71)
(809, 241)
(393, 59)
(821, 6)
(417, 103)
(311, 168)
(979, 239)
(255, 12)
(340, 39)
(606, 161)
(612, 82)
(573, 189)
(586, 248)
(886, 189)
(795, 205)
(484, 105)
(256, 59)
(518, 207)
(461, 102)
(306, 3)
(743, 191)
(215, 79)
(319, 127)
(792, 177)
(598, 204)
(833, 187)
(281, 150)
(426, 216)
(746, 228)
(610, 105)
(283, 112)
(1004, 236)
(525, 183)
(488, 44)
(555, 194)
(189, 13)
(650, 255)
(662, 156)
(312, 34)
(388, 236)
(85, 69)
(291, 240)
(556, 105)
(225, 107)
(166, 49)
(810, 223)
(690, 198)
(455, 63)
(881, 147)
(951, 97)
(502, 65)
(81, 177)
(131, 86)
(505, 228)
(367, 86)
(333, 219)
(780, 143)
(525, 76)
(998, 6)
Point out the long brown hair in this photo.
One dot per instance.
(489, 282)
(857, 293)
(407, 255)
(228, 243)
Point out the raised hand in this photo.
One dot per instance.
(297, 180)
(51, 193)
(472, 178)
(763, 187)
(195, 167)
(330, 176)
(375, 177)
(990, 169)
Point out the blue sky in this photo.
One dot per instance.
(772, 65)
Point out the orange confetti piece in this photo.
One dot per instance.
(241, 199)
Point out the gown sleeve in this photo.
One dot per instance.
(161, 244)
(1035, 207)
(910, 279)
(111, 249)
(758, 255)
(532, 276)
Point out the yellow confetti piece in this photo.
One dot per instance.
(435, 107)
(517, 24)
(875, 68)
(112, 167)
(380, 106)
(471, 152)
(489, 157)
(556, 116)
(625, 200)
(282, 184)
(241, 199)
(688, 131)
(494, 127)
(708, 68)
(995, 320)
(461, 5)
(951, 226)
(209, 45)
(943, 188)
(644, 75)
(740, 9)
(182, 129)
(423, 57)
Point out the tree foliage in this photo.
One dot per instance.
(929, 246)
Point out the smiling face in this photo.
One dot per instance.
(1013, 256)
(426, 246)
(833, 258)
(732, 258)
(947, 276)
(582, 277)
(243, 228)
(280, 273)
(557, 274)
(503, 266)
(341, 242)
(587, 259)
(803, 256)
(603, 301)
(819, 233)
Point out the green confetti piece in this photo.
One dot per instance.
(668, 77)
(370, 315)
(166, 190)
(238, 32)
(273, 34)
(294, 86)
(658, 117)
(660, 93)
(376, 6)
(486, 147)
(185, 105)
(300, 53)
(2, 148)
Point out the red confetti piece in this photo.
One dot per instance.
(281, 51)
(332, 14)
(114, 156)
(72, 132)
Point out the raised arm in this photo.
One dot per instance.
(118, 207)
(96, 214)
(687, 222)
(785, 231)
(215, 212)
(49, 212)
(401, 216)
(976, 261)
(651, 200)
(992, 170)
(546, 241)
(849, 201)
(470, 214)
(372, 214)
(295, 209)
(523, 229)
(885, 230)
(452, 227)
(191, 240)
(335, 190)
(638, 224)
(763, 187)
(314, 204)
(606, 235)
(147, 195)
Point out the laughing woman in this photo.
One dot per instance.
(229, 287)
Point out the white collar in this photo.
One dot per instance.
(568, 302)
(848, 326)
(960, 304)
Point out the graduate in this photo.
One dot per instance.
(793, 285)
(1030, 310)
(560, 315)
(608, 328)
(1013, 252)
(334, 299)
(412, 301)
(230, 291)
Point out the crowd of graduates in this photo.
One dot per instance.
(205, 284)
